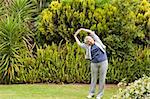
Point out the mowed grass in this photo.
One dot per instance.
(51, 91)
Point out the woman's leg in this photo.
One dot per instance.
(94, 73)
(102, 75)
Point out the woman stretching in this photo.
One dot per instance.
(96, 53)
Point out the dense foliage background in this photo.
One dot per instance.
(39, 46)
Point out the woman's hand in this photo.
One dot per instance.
(87, 30)
(83, 29)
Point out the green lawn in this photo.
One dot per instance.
(50, 91)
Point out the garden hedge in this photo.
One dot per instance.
(66, 64)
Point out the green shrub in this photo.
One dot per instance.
(130, 68)
(140, 89)
(63, 64)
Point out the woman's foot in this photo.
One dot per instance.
(90, 96)
(98, 97)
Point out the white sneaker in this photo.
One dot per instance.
(98, 97)
(90, 96)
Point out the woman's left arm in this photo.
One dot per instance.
(94, 36)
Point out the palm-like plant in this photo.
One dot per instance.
(1, 8)
(14, 35)
(24, 9)
(10, 42)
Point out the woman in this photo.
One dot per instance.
(95, 52)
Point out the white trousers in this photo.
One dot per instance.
(101, 69)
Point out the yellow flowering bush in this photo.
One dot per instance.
(124, 18)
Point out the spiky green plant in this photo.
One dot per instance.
(14, 35)
(22, 8)
(10, 43)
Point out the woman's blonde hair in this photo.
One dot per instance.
(87, 38)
